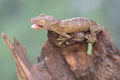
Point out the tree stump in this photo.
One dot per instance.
(69, 61)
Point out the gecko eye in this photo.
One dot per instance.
(41, 22)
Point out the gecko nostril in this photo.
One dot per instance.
(34, 21)
(31, 20)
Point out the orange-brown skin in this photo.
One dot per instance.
(76, 24)
(62, 27)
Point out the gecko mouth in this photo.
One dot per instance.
(35, 26)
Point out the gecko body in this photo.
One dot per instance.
(77, 24)
(63, 27)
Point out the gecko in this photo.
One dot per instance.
(64, 27)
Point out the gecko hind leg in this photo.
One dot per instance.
(90, 38)
(90, 41)
(95, 29)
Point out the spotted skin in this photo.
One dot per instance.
(72, 25)
(63, 27)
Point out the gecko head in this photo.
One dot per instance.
(44, 22)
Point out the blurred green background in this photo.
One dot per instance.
(15, 18)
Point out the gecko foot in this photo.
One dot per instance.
(62, 40)
(90, 38)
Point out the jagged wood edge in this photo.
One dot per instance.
(23, 71)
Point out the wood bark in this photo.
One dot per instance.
(69, 61)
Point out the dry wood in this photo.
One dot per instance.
(69, 61)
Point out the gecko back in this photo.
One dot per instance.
(77, 24)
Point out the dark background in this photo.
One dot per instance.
(15, 18)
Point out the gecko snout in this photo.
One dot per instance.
(32, 20)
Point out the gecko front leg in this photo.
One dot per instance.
(63, 38)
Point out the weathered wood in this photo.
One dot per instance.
(69, 61)
(103, 64)
(52, 67)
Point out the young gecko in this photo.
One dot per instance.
(63, 27)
